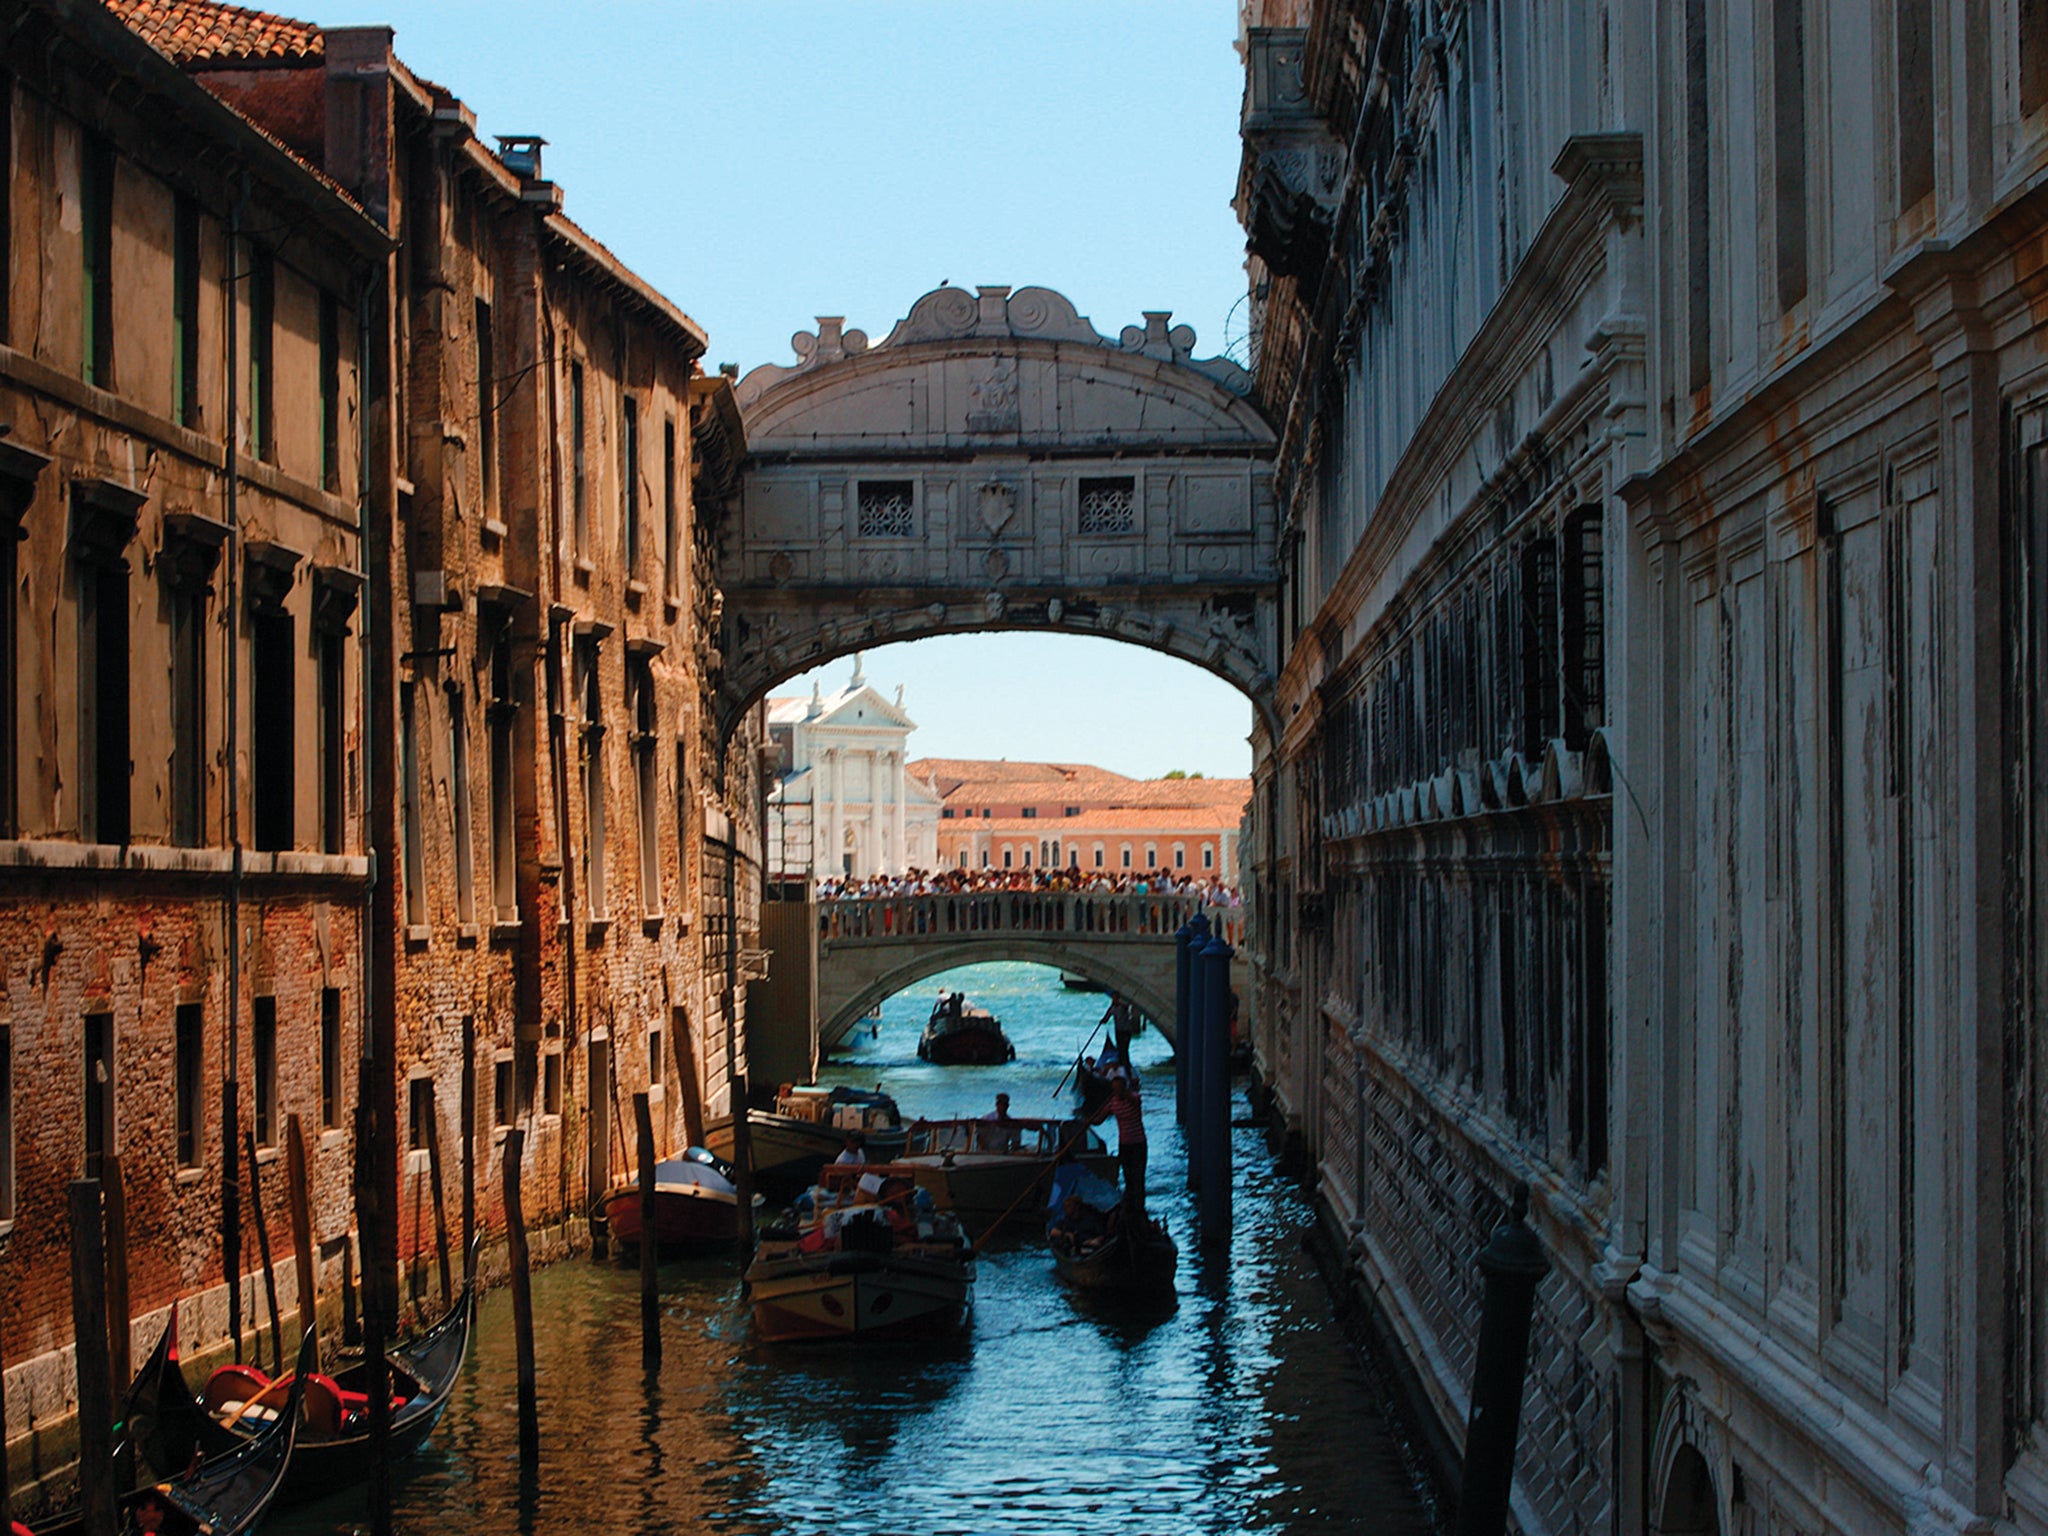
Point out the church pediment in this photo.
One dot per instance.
(863, 708)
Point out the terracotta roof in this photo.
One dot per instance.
(199, 32)
(1164, 822)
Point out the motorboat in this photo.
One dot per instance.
(806, 1130)
(696, 1204)
(865, 1253)
(988, 1170)
(958, 1034)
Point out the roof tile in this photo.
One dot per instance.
(201, 32)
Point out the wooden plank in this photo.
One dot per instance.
(440, 1209)
(231, 1211)
(650, 1300)
(468, 1148)
(522, 1301)
(263, 1249)
(114, 1191)
(95, 1373)
(302, 1226)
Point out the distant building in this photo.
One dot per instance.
(843, 801)
(1004, 815)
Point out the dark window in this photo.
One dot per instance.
(502, 713)
(458, 795)
(504, 1109)
(551, 1083)
(96, 249)
(683, 825)
(1788, 88)
(1007, 856)
(188, 1079)
(887, 509)
(526, 1056)
(1029, 813)
(99, 1090)
(1208, 855)
(647, 779)
(1127, 855)
(1585, 665)
(6, 1115)
(271, 744)
(1180, 857)
(593, 778)
(414, 854)
(1913, 42)
(6, 246)
(1098, 855)
(1699, 246)
(629, 481)
(103, 699)
(486, 409)
(330, 393)
(333, 741)
(671, 550)
(330, 1057)
(10, 651)
(2033, 17)
(986, 812)
(1073, 810)
(185, 315)
(188, 714)
(1540, 666)
(421, 1116)
(653, 1056)
(945, 814)
(579, 486)
(262, 342)
(1109, 506)
(263, 1065)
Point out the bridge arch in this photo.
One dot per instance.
(997, 464)
(920, 962)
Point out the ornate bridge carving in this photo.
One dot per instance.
(869, 950)
(995, 463)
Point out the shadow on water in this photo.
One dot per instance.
(1236, 1406)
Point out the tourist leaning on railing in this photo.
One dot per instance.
(975, 882)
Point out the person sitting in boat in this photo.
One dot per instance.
(1079, 1225)
(1123, 1102)
(855, 1152)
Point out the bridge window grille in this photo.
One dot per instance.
(1585, 672)
(888, 509)
(1109, 506)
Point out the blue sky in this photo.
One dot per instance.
(763, 162)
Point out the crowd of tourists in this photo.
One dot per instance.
(974, 882)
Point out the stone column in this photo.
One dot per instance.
(897, 851)
(836, 847)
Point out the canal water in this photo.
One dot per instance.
(1237, 1408)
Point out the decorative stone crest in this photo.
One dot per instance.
(998, 504)
(995, 396)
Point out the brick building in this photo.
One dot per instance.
(1019, 816)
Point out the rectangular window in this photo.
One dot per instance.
(551, 1083)
(99, 1090)
(1027, 855)
(333, 730)
(1125, 854)
(420, 1115)
(1073, 810)
(629, 481)
(500, 717)
(188, 1080)
(6, 237)
(647, 780)
(96, 252)
(188, 714)
(1180, 857)
(263, 1066)
(1109, 506)
(330, 393)
(526, 1066)
(1585, 665)
(579, 502)
(458, 795)
(1151, 856)
(271, 745)
(887, 509)
(103, 699)
(1007, 856)
(1699, 245)
(1029, 813)
(984, 858)
(6, 1117)
(1788, 87)
(1098, 855)
(10, 656)
(593, 779)
(653, 1055)
(2033, 41)
(1913, 42)
(486, 410)
(411, 835)
(330, 1057)
(504, 1107)
(262, 344)
(185, 315)
(1540, 661)
(1208, 855)
(671, 530)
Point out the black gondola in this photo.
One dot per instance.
(225, 1495)
(1138, 1258)
(334, 1444)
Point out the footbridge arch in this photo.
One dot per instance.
(995, 463)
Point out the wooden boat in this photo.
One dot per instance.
(225, 1495)
(805, 1131)
(333, 1444)
(998, 1170)
(1075, 983)
(696, 1204)
(958, 1034)
(868, 1258)
(1135, 1258)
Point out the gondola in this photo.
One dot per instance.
(959, 1034)
(334, 1444)
(227, 1494)
(1138, 1259)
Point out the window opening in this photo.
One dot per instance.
(333, 726)
(188, 713)
(580, 489)
(99, 1090)
(486, 410)
(263, 1064)
(647, 781)
(96, 250)
(1913, 41)
(593, 779)
(888, 509)
(551, 1083)
(330, 1057)
(629, 482)
(262, 341)
(504, 1108)
(185, 315)
(415, 871)
(103, 698)
(271, 744)
(499, 719)
(420, 1118)
(670, 531)
(1585, 670)
(187, 1081)
(6, 1118)
(1699, 244)
(1109, 506)
(1788, 86)
(330, 393)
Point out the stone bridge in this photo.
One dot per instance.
(868, 950)
(997, 464)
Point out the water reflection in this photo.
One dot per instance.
(1236, 1408)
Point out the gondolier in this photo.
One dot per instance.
(1124, 1104)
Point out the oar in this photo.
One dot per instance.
(1084, 1049)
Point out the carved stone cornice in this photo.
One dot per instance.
(192, 546)
(1292, 175)
(104, 517)
(336, 589)
(19, 470)
(268, 569)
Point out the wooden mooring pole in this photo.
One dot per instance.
(95, 1378)
(650, 1299)
(6, 1478)
(263, 1251)
(302, 1229)
(115, 1192)
(522, 1301)
(440, 1208)
(231, 1212)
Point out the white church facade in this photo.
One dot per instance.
(841, 802)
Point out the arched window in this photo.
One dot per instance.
(963, 865)
(1208, 860)
(1073, 857)
(1098, 855)
(1127, 855)
(1180, 857)
(1027, 855)
(1007, 856)
(984, 858)
(1151, 855)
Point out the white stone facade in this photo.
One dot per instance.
(841, 803)
(1664, 419)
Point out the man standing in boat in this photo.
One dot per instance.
(1124, 1103)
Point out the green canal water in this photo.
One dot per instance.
(1238, 1408)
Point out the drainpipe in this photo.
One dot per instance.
(230, 1110)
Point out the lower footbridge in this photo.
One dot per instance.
(870, 949)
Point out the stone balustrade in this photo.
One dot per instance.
(1087, 915)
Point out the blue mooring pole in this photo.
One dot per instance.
(1181, 936)
(1214, 1109)
(1512, 1262)
(1190, 1049)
